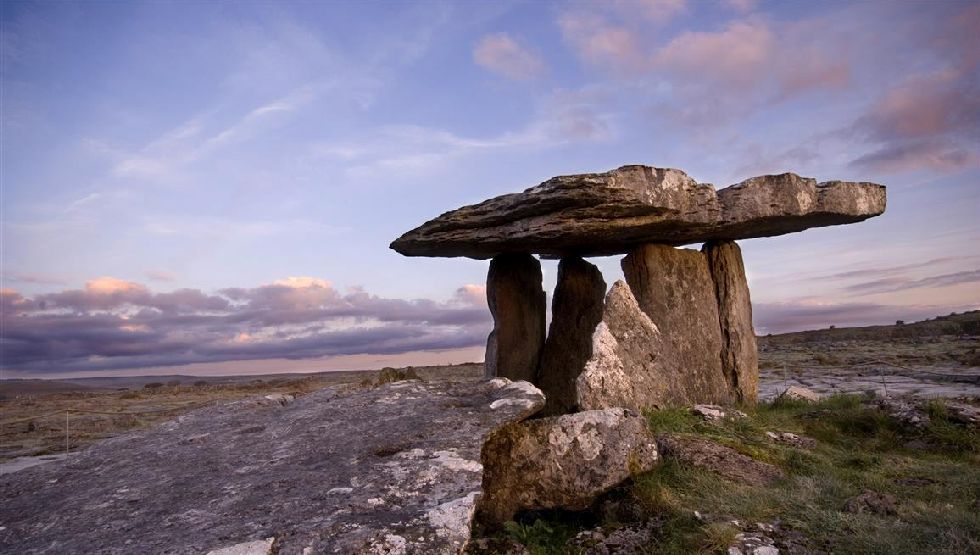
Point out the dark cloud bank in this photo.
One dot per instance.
(118, 325)
(113, 325)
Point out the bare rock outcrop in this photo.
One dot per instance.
(598, 214)
(714, 457)
(562, 461)
(391, 469)
(518, 305)
(739, 352)
(675, 289)
(576, 310)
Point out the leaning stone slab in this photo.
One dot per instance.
(392, 469)
(562, 461)
(626, 368)
(518, 305)
(675, 289)
(598, 214)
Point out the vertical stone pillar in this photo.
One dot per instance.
(517, 303)
(576, 310)
(739, 353)
(675, 289)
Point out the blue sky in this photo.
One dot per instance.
(214, 185)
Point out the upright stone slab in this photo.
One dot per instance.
(675, 289)
(739, 353)
(576, 309)
(517, 303)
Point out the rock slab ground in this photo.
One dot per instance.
(392, 469)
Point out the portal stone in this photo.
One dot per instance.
(675, 289)
(576, 310)
(517, 302)
(739, 354)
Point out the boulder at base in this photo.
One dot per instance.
(562, 461)
(392, 469)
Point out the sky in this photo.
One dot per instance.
(211, 187)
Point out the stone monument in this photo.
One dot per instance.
(679, 330)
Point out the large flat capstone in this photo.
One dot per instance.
(392, 469)
(596, 214)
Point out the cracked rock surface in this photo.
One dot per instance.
(392, 469)
(598, 214)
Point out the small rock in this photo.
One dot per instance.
(790, 438)
(280, 398)
(709, 412)
(257, 547)
(797, 393)
(906, 411)
(753, 544)
(713, 413)
(872, 502)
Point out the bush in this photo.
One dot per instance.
(153, 385)
(200, 383)
(388, 375)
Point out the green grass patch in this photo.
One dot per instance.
(933, 471)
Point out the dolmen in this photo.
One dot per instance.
(678, 331)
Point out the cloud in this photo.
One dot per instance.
(707, 76)
(503, 55)
(742, 5)
(117, 324)
(901, 283)
(563, 117)
(160, 275)
(41, 279)
(930, 120)
(787, 317)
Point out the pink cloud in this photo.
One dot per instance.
(109, 285)
(737, 55)
(717, 74)
(601, 43)
(655, 11)
(930, 120)
(503, 55)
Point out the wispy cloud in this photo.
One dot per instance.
(502, 54)
(901, 283)
(563, 117)
(798, 316)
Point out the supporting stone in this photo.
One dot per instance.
(576, 309)
(739, 353)
(517, 302)
(675, 289)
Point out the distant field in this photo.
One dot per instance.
(32, 412)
